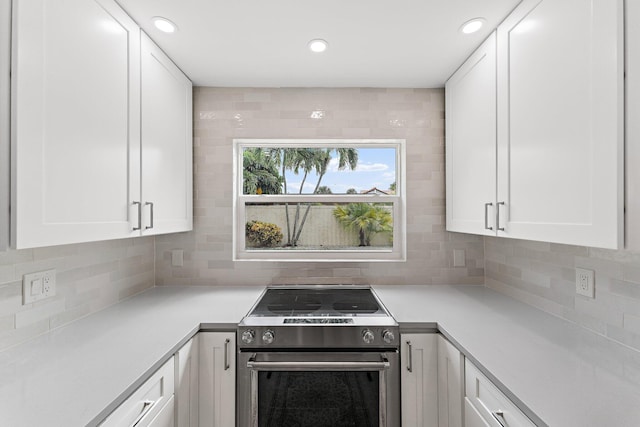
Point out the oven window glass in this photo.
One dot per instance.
(318, 399)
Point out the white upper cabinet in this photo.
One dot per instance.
(5, 89)
(166, 143)
(88, 163)
(632, 113)
(560, 122)
(559, 139)
(471, 143)
(75, 117)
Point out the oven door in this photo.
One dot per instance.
(318, 389)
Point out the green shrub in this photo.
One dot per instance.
(263, 234)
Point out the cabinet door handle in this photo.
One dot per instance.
(226, 354)
(498, 216)
(499, 416)
(147, 405)
(486, 216)
(139, 216)
(151, 215)
(409, 357)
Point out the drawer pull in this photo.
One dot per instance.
(226, 354)
(150, 226)
(409, 358)
(498, 216)
(139, 216)
(486, 216)
(499, 416)
(147, 405)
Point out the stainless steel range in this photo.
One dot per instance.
(318, 356)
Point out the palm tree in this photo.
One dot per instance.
(260, 172)
(323, 189)
(306, 161)
(347, 157)
(365, 218)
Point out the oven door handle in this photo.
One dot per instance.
(318, 365)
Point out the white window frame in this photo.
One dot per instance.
(396, 253)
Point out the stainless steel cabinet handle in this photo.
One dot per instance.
(409, 357)
(151, 219)
(139, 216)
(486, 216)
(226, 354)
(499, 416)
(498, 216)
(147, 405)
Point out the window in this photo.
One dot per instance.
(319, 200)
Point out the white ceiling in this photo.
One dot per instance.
(372, 43)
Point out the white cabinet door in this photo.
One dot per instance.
(632, 113)
(166, 143)
(450, 384)
(560, 122)
(471, 143)
(217, 379)
(75, 122)
(419, 380)
(187, 384)
(5, 89)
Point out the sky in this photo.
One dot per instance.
(376, 168)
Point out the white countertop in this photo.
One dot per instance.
(557, 372)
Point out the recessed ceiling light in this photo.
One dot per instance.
(164, 25)
(472, 26)
(318, 45)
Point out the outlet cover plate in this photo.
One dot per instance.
(585, 282)
(38, 286)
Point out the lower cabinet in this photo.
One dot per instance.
(472, 417)
(151, 405)
(217, 379)
(485, 405)
(450, 384)
(418, 379)
(187, 383)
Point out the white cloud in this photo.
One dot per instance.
(361, 167)
(294, 187)
(372, 167)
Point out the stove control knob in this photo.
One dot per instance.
(368, 336)
(248, 336)
(388, 337)
(268, 336)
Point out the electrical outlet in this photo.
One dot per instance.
(585, 283)
(38, 286)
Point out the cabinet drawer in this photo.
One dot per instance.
(490, 402)
(146, 402)
(166, 416)
(472, 417)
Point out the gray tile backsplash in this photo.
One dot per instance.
(90, 277)
(222, 114)
(543, 275)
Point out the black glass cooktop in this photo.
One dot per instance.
(302, 302)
